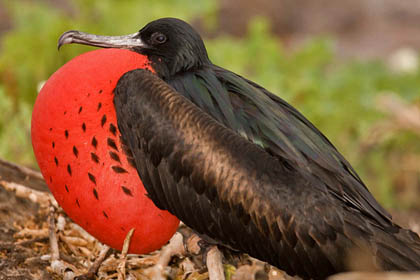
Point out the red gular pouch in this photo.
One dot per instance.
(78, 147)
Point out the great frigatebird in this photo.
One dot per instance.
(240, 165)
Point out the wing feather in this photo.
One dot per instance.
(250, 202)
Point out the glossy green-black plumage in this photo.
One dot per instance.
(315, 207)
(281, 192)
(243, 167)
(233, 191)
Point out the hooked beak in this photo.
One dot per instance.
(130, 41)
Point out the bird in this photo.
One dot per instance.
(76, 142)
(240, 165)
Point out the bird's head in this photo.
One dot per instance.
(171, 44)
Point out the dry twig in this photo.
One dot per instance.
(123, 257)
(175, 247)
(214, 264)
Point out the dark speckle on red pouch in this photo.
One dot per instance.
(103, 120)
(127, 191)
(114, 156)
(95, 193)
(94, 142)
(92, 178)
(69, 169)
(118, 169)
(75, 151)
(94, 157)
(113, 129)
(84, 127)
(111, 143)
(99, 106)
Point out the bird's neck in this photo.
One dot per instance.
(178, 66)
(204, 88)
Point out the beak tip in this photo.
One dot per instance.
(65, 38)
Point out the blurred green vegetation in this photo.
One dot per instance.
(337, 96)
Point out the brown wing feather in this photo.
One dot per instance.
(223, 186)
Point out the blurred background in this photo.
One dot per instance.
(350, 66)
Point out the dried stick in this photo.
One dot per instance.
(214, 264)
(55, 254)
(58, 266)
(175, 247)
(121, 266)
(42, 198)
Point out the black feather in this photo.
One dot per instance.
(247, 199)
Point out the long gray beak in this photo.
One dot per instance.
(119, 42)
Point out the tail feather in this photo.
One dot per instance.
(398, 251)
(390, 248)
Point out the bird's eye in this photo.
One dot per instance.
(158, 38)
